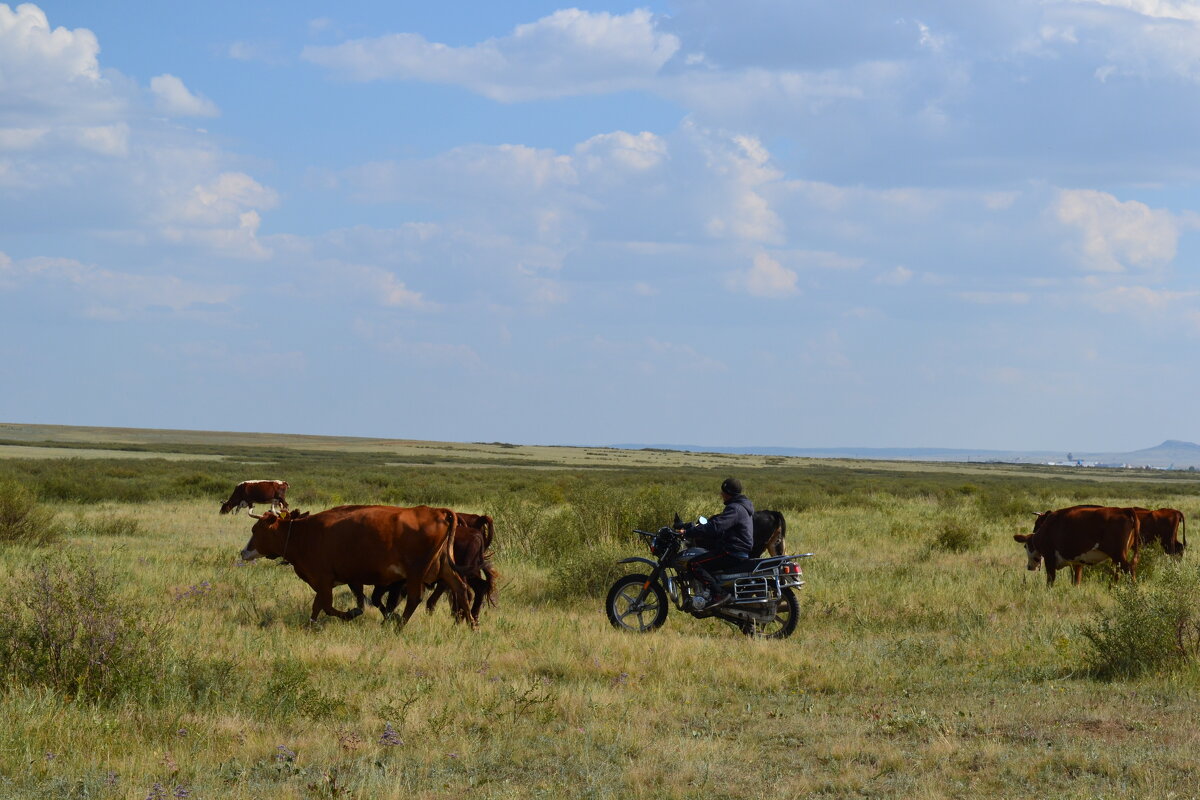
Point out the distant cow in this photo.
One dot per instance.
(247, 493)
(769, 529)
(363, 545)
(472, 561)
(1083, 535)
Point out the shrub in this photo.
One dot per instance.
(588, 571)
(955, 536)
(1152, 626)
(67, 630)
(22, 519)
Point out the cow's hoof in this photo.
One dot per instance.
(354, 612)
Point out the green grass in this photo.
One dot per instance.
(928, 662)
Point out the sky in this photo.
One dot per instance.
(787, 223)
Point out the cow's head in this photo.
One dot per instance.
(1035, 558)
(265, 541)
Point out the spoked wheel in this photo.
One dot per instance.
(787, 616)
(626, 613)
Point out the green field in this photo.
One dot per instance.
(141, 659)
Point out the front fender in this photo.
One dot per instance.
(638, 560)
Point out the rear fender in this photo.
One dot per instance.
(638, 560)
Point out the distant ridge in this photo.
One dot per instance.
(1171, 454)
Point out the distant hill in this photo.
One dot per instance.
(1171, 454)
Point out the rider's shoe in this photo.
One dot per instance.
(718, 601)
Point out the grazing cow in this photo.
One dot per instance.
(247, 493)
(769, 529)
(1083, 535)
(1167, 525)
(472, 561)
(359, 545)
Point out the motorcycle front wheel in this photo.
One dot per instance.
(627, 614)
(787, 616)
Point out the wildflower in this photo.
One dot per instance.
(181, 733)
(389, 737)
(284, 754)
(181, 792)
(157, 792)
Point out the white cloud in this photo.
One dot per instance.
(626, 151)
(567, 53)
(994, 298)
(1116, 236)
(766, 278)
(174, 99)
(113, 295)
(897, 276)
(1140, 301)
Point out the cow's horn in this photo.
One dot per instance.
(252, 514)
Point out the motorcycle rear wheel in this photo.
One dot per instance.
(787, 616)
(626, 614)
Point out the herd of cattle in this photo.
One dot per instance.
(404, 551)
(1082, 535)
(395, 550)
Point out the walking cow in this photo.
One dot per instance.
(247, 493)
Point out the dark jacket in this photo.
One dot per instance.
(732, 530)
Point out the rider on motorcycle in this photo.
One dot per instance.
(728, 536)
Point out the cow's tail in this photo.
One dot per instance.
(490, 574)
(448, 543)
(1183, 529)
(489, 534)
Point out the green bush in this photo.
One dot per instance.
(1151, 627)
(957, 536)
(66, 629)
(22, 519)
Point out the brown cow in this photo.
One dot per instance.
(247, 493)
(1167, 525)
(472, 561)
(359, 545)
(1083, 535)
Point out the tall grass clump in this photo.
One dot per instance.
(23, 520)
(64, 628)
(1151, 627)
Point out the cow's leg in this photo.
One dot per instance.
(458, 593)
(438, 589)
(479, 586)
(1078, 574)
(324, 602)
(414, 591)
(1050, 573)
(360, 599)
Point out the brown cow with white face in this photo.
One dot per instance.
(357, 545)
(247, 493)
(1080, 536)
(1167, 526)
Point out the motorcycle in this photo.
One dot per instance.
(762, 591)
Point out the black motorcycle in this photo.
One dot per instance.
(762, 590)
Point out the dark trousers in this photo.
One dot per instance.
(712, 562)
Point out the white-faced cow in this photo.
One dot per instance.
(1080, 536)
(363, 545)
(247, 493)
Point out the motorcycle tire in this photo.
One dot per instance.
(787, 617)
(624, 614)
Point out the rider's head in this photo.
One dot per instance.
(731, 488)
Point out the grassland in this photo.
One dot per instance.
(928, 662)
